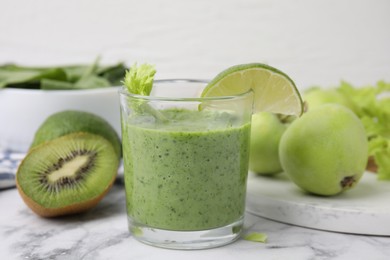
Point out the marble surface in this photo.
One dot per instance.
(102, 234)
(365, 209)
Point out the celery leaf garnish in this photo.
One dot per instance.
(139, 79)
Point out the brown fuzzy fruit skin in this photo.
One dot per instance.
(73, 121)
(67, 210)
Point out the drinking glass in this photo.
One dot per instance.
(185, 164)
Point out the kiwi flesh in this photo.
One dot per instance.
(72, 121)
(67, 175)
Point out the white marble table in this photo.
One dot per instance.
(102, 234)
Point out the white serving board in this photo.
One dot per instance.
(364, 209)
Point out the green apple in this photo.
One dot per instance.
(325, 151)
(319, 96)
(266, 132)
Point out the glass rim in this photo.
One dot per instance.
(124, 92)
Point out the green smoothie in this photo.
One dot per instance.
(186, 174)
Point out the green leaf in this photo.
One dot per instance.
(74, 73)
(68, 77)
(91, 70)
(139, 79)
(256, 237)
(383, 86)
(114, 74)
(373, 103)
(377, 144)
(15, 76)
(51, 84)
(12, 77)
(90, 79)
(26, 85)
(92, 82)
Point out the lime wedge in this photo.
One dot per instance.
(274, 91)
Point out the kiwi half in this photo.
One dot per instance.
(67, 175)
(73, 121)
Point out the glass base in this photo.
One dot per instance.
(187, 240)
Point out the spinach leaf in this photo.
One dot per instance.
(67, 77)
(8, 77)
(92, 82)
(114, 74)
(52, 84)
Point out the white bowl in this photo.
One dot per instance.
(22, 111)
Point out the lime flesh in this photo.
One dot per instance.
(274, 91)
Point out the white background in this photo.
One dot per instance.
(314, 41)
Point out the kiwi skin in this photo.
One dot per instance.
(77, 206)
(67, 210)
(72, 121)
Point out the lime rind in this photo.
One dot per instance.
(247, 66)
(274, 90)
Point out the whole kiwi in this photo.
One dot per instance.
(72, 121)
(67, 175)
